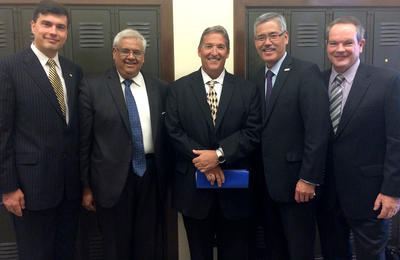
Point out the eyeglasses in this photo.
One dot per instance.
(127, 52)
(271, 36)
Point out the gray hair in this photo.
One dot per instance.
(129, 33)
(215, 29)
(269, 16)
(347, 20)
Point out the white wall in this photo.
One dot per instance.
(191, 17)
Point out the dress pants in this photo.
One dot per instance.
(131, 229)
(230, 236)
(370, 236)
(289, 230)
(48, 234)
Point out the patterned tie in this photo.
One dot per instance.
(269, 76)
(335, 100)
(56, 83)
(212, 100)
(138, 155)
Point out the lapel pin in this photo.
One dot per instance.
(70, 75)
(286, 69)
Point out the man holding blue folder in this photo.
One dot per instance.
(214, 120)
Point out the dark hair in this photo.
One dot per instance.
(50, 7)
(347, 20)
(215, 29)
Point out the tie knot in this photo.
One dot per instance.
(339, 78)
(211, 83)
(269, 74)
(51, 63)
(127, 82)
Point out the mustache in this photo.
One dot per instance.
(214, 57)
(268, 48)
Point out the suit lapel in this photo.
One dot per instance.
(279, 84)
(114, 85)
(200, 94)
(259, 80)
(153, 96)
(33, 67)
(226, 95)
(360, 86)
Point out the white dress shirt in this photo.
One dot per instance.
(218, 82)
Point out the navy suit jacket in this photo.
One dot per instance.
(364, 155)
(295, 128)
(38, 150)
(236, 130)
(106, 138)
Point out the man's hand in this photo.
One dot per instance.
(390, 205)
(304, 191)
(206, 160)
(88, 200)
(14, 202)
(215, 174)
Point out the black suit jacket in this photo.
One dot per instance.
(295, 128)
(364, 155)
(190, 126)
(38, 150)
(106, 142)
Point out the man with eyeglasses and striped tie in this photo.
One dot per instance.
(363, 173)
(123, 152)
(293, 141)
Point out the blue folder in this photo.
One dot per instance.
(234, 179)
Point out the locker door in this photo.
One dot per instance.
(8, 246)
(362, 16)
(387, 39)
(144, 20)
(307, 35)
(7, 30)
(91, 39)
(253, 61)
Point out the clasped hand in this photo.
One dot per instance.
(207, 162)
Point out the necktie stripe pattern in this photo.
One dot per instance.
(212, 100)
(57, 86)
(138, 155)
(335, 100)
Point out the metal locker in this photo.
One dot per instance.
(91, 38)
(7, 32)
(144, 20)
(307, 35)
(386, 51)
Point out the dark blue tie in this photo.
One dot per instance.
(269, 76)
(138, 156)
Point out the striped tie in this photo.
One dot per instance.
(56, 83)
(212, 100)
(335, 100)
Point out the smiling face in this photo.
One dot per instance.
(342, 46)
(213, 53)
(270, 51)
(50, 33)
(126, 61)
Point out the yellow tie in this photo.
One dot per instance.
(56, 83)
(212, 100)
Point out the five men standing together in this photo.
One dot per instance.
(328, 146)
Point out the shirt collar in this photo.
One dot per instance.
(138, 79)
(207, 78)
(349, 74)
(43, 58)
(277, 66)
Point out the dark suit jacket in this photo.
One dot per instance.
(106, 142)
(295, 128)
(364, 155)
(190, 126)
(38, 150)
